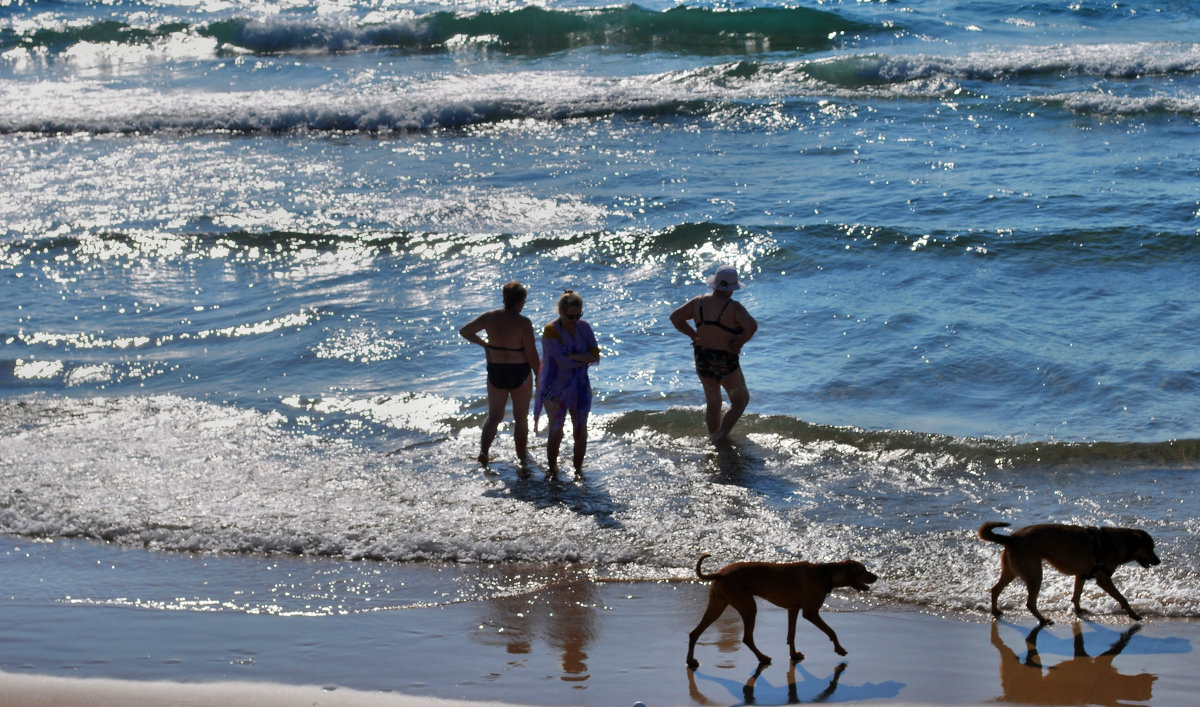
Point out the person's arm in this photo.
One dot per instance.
(749, 327)
(592, 356)
(470, 332)
(681, 318)
(552, 347)
(529, 344)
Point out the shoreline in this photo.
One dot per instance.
(589, 643)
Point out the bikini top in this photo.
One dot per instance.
(503, 348)
(716, 322)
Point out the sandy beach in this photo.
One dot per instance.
(585, 643)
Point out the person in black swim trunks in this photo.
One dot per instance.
(511, 356)
(722, 327)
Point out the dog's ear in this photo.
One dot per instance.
(851, 567)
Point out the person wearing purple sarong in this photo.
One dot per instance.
(568, 349)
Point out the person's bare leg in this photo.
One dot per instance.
(553, 438)
(712, 403)
(520, 408)
(580, 428)
(497, 397)
(739, 398)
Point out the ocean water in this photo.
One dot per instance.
(237, 241)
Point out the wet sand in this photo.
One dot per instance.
(585, 643)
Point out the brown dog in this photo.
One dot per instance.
(1086, 553)
(799, 587)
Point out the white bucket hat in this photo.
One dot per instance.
(725, 279)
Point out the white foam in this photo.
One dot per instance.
(87, 57)
(1110, 104)
(37, 369)
(453, 100)
(177, 474)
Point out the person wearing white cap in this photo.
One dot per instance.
(721, 327)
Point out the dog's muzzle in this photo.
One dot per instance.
(866, 581)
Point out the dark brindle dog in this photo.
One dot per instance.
(1084, 552)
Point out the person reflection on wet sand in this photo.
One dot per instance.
(729, 634)
(1082, 679)
(570, 627)
(561, 613)
(508, 622)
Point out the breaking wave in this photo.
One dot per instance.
(530, 30)
(54, 107)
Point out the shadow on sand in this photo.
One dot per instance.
(528, 483)
(809, 688)
(742, 463)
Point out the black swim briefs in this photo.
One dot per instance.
(508, 376)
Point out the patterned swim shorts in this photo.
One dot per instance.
(715, 363)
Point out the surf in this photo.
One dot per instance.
(531, 31)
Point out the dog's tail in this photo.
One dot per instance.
(700, 574)
(986, 532)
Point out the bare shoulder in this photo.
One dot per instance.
(685, 310)
(739, 309)
(479, 323)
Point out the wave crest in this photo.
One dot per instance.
(454, 102)
(976, 454)
(529, 30)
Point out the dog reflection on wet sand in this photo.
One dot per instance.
(1081, 679)
(793, 687)
(799, 587)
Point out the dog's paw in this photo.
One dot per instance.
(840, 651)
(797, 657)
(693, 663)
